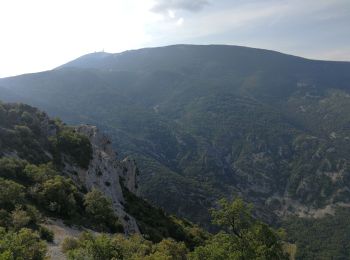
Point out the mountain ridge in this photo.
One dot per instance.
(100, 55)
(205, 122)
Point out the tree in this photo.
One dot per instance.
(135, 247)
(39, 173)
(58, 195)
(235, 217)
(24, 244)
(11, 168)
(20, 218)
(76, 145)
(100, 210)
(88, 246)
(168, 249)
(11, 193)
(244, 237)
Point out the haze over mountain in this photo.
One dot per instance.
(210, 121)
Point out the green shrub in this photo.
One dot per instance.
(11, 193)
(24, 244)
(69, 244)
(11, 168)
(46, 234)
(20, 218)
(100, 210)
(76, 145)
(243, 237)
(39, 173)
(58, 195)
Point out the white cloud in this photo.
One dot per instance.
(163, 6)
(171, 13)
(180, 21)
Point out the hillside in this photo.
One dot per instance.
(54, 173)
(205, 122)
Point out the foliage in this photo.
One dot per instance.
(204, 122)
(23, 244)
(46, 234)
(321, 238)
(11, 168)
(244, 236)
(101, 212)
(58, 195)
(135, 247)
(11, 194)
(196, 115)
(76, 145)
(156, 224)
(28, 185)
(20, 218)
(40, 173)
(21, 130)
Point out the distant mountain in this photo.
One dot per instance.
(210, 121)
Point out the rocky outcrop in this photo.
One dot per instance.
(105, 173)
(129, 174)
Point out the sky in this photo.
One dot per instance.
(37, 35)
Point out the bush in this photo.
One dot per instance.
(11, 193)
(134, 247)
(244, 236)
(76, 145)
(24, 244)
(39, 173)
(11, 168)
(20, 218)
(99, 209)
(46, 234)
(69, 244)
(169, 249)
(58, 195)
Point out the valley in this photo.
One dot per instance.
(205, 122)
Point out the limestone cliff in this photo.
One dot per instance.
(105, 173)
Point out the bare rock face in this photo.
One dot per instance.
(105, 173)
(129, 174)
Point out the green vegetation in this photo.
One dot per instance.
(120, 247)
(206, 122)
(321, 238)
(32, 186)
(77, 146)
(21, 131)
(100, 210)
(156, 224)
(58, 195)
(243, 237)
(23, 244)
(203, 123)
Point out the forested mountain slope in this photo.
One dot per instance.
(49, 170)
(205, 122)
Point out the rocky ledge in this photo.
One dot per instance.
(105, 173)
